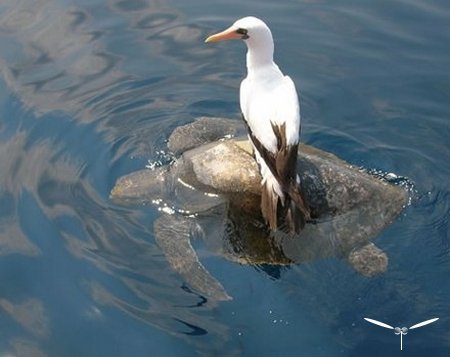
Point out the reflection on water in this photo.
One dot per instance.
(61, 61)
(55, 60)
(30, 314)
(36, 174)
(90, 90)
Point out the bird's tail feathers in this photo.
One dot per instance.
(297, 212)
(269, 205)
(283, 205)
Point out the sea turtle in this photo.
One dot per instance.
(212, 190)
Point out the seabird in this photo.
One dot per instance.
(270, 108)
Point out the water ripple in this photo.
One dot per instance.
(92, 89)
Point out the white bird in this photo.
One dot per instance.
(270, 107)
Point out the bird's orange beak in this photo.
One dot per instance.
(229, 34)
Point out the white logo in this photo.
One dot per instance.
(403, 330)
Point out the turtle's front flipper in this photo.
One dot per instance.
(173, 234)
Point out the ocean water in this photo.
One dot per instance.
(90, 91)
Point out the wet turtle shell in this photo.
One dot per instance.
(214, 188)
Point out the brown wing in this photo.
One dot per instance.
(283, 163)
(283, 166)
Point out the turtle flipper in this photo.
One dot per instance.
(173, 233)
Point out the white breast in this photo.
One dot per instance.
(269, 97)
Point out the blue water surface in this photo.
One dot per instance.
(90, 91)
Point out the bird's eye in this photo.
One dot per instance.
(243, 32)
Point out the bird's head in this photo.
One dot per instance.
(249, 29)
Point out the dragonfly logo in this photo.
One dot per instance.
(401, 330)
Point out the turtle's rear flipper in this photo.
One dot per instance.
(173, 234)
